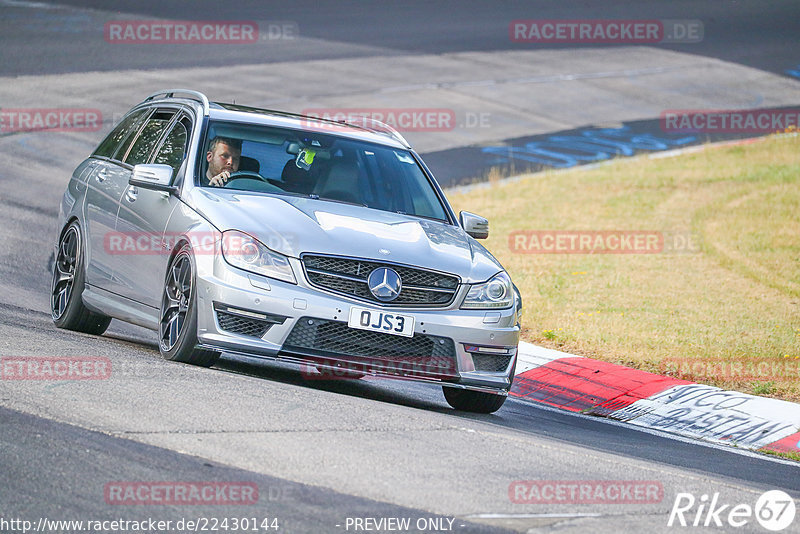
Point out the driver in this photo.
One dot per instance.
(223, 159)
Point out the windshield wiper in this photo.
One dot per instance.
(317, 197)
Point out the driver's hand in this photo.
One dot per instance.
(220, 179)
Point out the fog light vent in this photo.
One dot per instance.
(245, 322)
(493, 363)
(490, 359)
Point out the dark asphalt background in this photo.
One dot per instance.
(81, 462)
(761, 34)
(758, 34)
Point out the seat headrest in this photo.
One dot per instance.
(292, 173)
(342, 182)
(249, 164)
(296, 179)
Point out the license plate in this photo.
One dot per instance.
(379, 321)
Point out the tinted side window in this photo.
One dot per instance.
(173, 148)
(129, 124)
(148, 137)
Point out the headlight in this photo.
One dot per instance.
(496, 293)
(245, 252)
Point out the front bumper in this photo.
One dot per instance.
(248, 314)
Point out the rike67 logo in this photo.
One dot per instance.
(774, 511)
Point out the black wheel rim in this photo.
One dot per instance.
(64, 272)
(175, 304)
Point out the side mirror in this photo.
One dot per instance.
(153, 176)
(474, 225)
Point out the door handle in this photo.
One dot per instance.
(101, 176)
(131, 194)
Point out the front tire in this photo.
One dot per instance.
(178, 323)
(473, 401)
(69, 280)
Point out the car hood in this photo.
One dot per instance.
(296, 225)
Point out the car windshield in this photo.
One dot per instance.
(322, 166)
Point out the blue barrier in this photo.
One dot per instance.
(794, 72)
(563, 151)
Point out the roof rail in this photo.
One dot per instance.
(377, 126)
(169, 93)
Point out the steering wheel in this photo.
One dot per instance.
(244, 174)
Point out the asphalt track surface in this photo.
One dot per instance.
(319, 451)
(753, 33)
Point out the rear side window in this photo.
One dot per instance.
(128, 125)
(173, 148)
(148, 137)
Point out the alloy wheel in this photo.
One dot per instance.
(64, 272)
(175, 304)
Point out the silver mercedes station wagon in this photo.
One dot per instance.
(273, 235)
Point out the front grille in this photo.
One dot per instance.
(424, 354)
(495, 363)
(349, 277)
